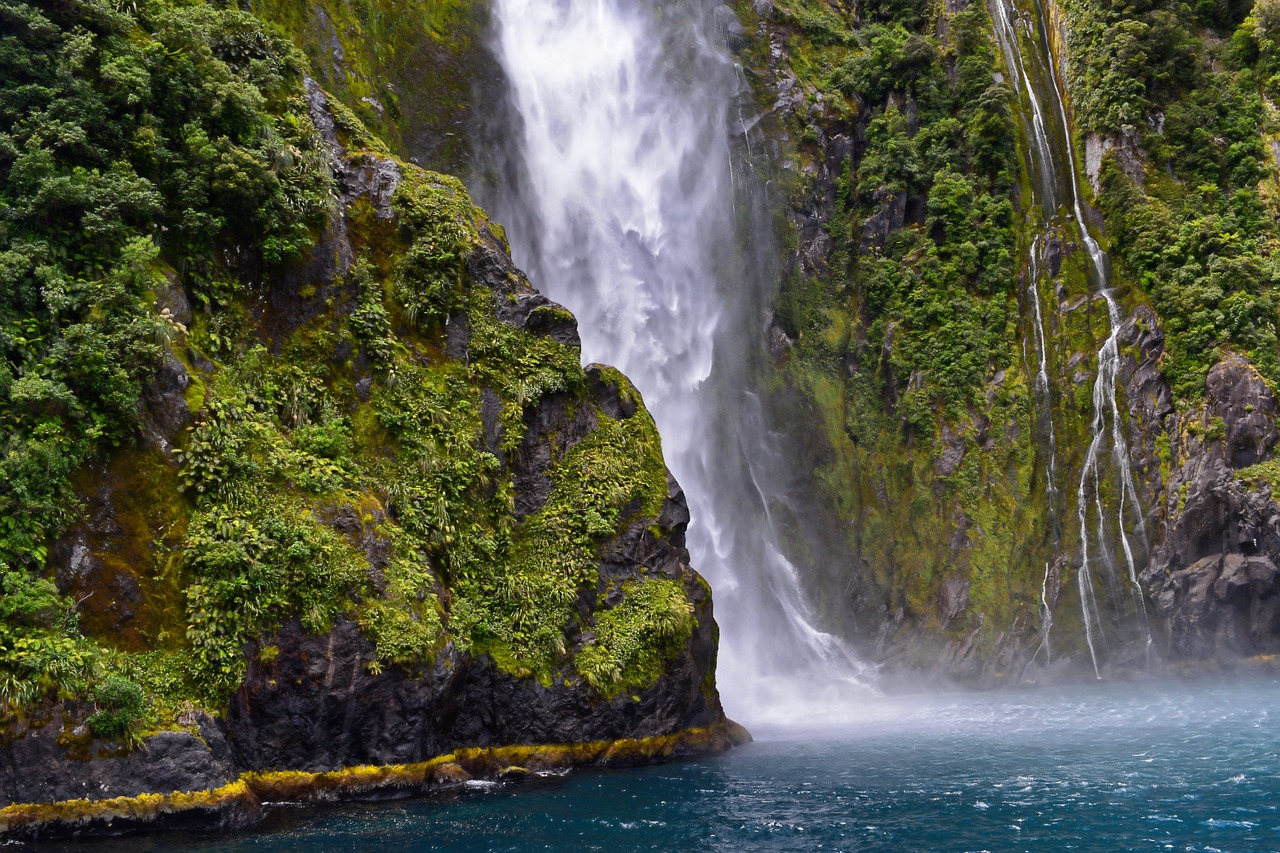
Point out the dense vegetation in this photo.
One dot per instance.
(1191, 86)
(938, 145)
(336, 464)
(898, 331)
(131, 134)
(153, 146)
(408, 69)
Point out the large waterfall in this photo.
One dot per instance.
(1056, 187)
(627, 200)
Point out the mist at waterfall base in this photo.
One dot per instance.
(618, 191)
(1188, 766)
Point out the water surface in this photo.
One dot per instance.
(1172, 765)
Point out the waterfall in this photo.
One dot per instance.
(622, 202)
(1038, 74)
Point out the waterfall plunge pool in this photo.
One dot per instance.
(1188, 765)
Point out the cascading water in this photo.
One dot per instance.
(624, 208)
(1039, 75)
(1044, 404)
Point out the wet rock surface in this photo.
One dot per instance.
(322, 703)
(56, 758)
(1212, 575)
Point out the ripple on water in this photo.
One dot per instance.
(1046, 770)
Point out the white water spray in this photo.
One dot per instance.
(632, 220)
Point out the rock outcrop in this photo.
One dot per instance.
(324, 701)
(1213, 576)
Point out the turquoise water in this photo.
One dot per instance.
(1187, 766)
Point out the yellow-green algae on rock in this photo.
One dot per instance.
(239, 803)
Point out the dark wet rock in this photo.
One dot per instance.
(320, 703)
(457, 337)
(780, 343)
(1247, 406)
(1222, 605)
(317, 705)
(730, 28)
(491, 421)
(1126, 149)
(53, 758)
(1053, 255)
(951, 455)
(165, 404)
(171, 300)
(518, 304)
(614, 399)
(675, 513)
(953, 598)
(888, 218)
(553, 425)
(1146, 393)
(1213, 574)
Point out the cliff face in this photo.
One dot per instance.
(416, 73)
(920, 312)
(360, 504)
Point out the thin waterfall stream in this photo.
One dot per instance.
(1032, 73)
(629, 212)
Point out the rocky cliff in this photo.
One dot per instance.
(923, 302)
(355, 519)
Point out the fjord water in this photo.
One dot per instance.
(1170, 765)
(619, 193)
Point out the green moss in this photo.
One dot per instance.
(519, 610)
(406, 69)
(405, 624)
(439, 773)
(29, 818)
(1263, 474)
(379, 411)
(635, 638)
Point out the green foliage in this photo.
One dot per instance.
(134, 137)
(635, 638)
(521, 607)
(1263, 474)
(405, 625)
(407, 68)
(429, 286)
(1126, 60)
(120, 704)
(162, 144)
(935, 295)
(370, 322)
(254, 566)
(1203, 246)
(40, 649)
